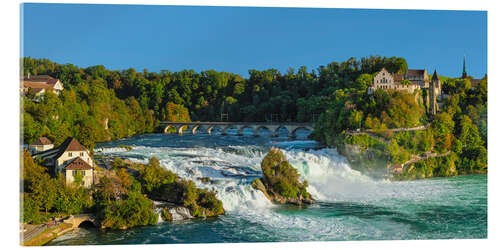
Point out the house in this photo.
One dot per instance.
(41, 144)
(78, 167)
(68, 158)
(40, 85)
(389, 81)
(418, 76)
(412, 80)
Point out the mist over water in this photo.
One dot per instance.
(350, 205)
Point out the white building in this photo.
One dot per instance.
(40, 85)
(76, 167)
(389, 81)
(69, 154)
(41, 144)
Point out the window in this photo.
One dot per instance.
(81, 153)
(70, 154)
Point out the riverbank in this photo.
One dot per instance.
(39, 235)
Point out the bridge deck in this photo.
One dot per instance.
(239, 123)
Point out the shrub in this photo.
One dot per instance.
(166, 215)
(281, 177)
(135, 210)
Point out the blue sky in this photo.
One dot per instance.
(236, 39)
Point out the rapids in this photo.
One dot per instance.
(351, 206)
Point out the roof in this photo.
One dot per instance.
(398, 77)
(415, 72)
(41, 79)
(42, 141)
(435, 76)
(475, 82)
(70, 144)
(78, 164)
(36, 85)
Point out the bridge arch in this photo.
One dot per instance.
(87, 224)
(293, 133)
(288, 131)
(242, 127)
(194, 128)
(272, 130)
(209, 129)
(181, 128)
(165, 131)
(81, 220)
(228, 126)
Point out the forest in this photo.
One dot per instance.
(98, 105)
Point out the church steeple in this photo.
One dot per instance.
(464, 72)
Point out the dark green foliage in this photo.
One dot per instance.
(351, 110)
(44, 196)
(134, 210)
(166, 215)
(281, 177)
(153, 176)
(432, 167)
(132, 101)
(161, 184)
(119, 203)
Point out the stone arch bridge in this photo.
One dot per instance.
(272, 127)
(77, 220)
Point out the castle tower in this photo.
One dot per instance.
(434, 93)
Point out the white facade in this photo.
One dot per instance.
(39, 148)
(385, 80)
(87, 180)
(62, 161)
(58, 87)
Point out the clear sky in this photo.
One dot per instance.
(236, 39)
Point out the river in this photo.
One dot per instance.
(351, 206)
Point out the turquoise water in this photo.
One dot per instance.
(351, 206)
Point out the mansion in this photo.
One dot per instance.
(70, 159)
(40, 85)
(411, 80)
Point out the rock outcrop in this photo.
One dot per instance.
(175, 213)
(280, 180)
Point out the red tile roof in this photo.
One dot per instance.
(78, 164)
(398, 77)
(36, 86)
(72, 144)
(42, 141)
(41, 79)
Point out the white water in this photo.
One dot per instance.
(330, 178)
(351, 206)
